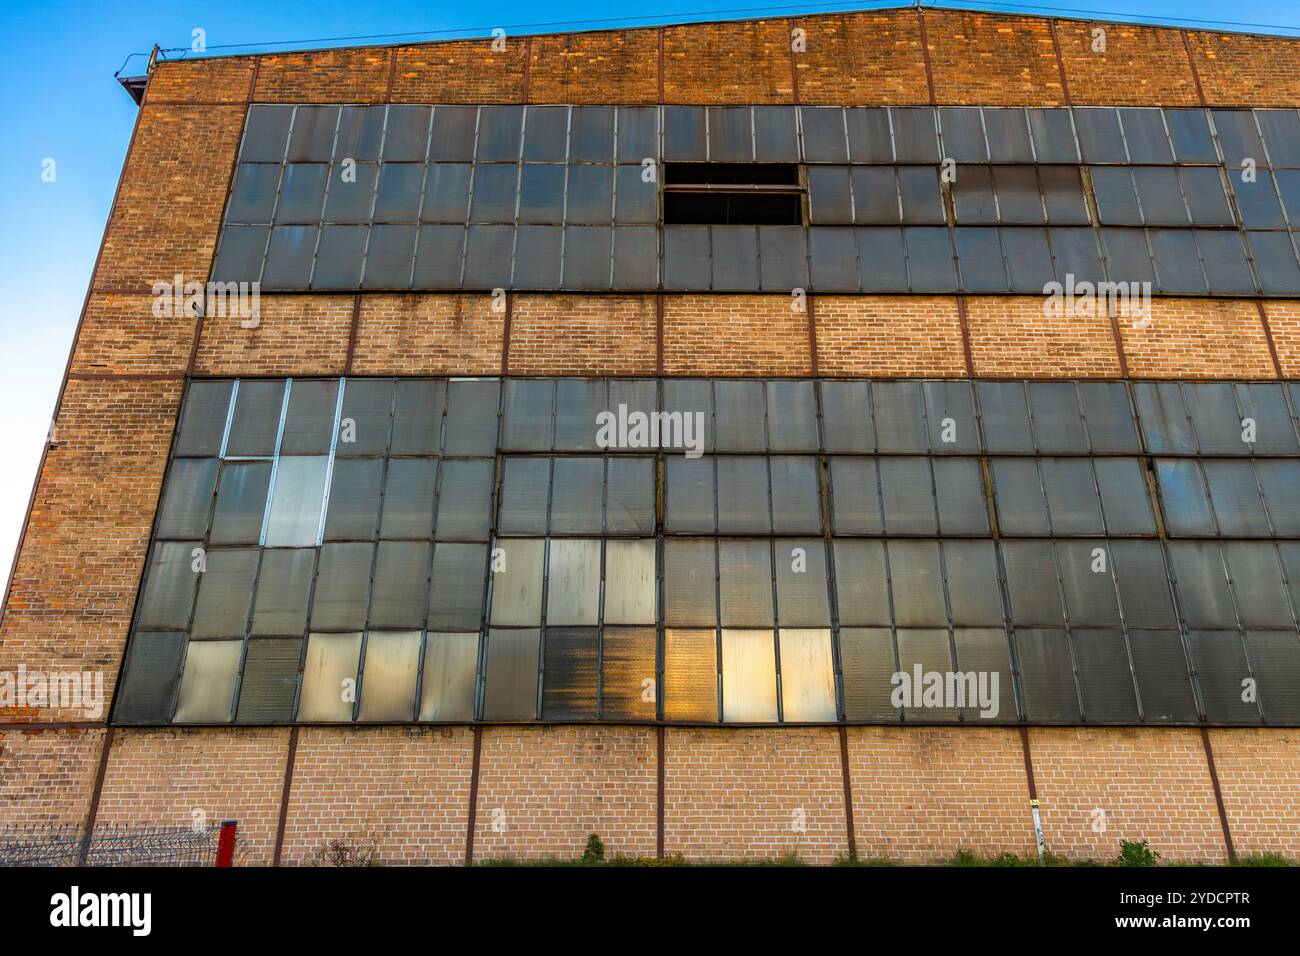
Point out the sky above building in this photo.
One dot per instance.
(70, 122)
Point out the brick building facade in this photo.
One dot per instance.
(1197, 789)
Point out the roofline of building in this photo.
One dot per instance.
(897, 7)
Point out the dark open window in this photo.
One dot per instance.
(747, 194)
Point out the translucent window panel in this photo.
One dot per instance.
(1290, 555)
(1238, 136)
(1100, 137)
(339, 257)
(1029, 260)
(1139, 570)
(401, 584)
(1087, 584)
(1124, 501)
(907, 493)
(417, 417)
(187, 498)
(824, 139)
(270, 679)
(731, 134)
(1108, 416)
(573, 582)
(915, 139)
(1164, 418)
(984, 651)
(577, 489)
(1005, 415)
(1008, 136)
(630, 495)
(833, 257)
(638, 394)
(870, 139)
(525, 488)
(1144, 131)
(591, 134)
(169, 588)
(1105, 676)
(929, 260)
(867, 666)
(1053, 134)
(587, 256)
(828, 195)
(792, 415)
(225, 592)
(745, 583)
(1206, 200)
(471, 417)
(446, 192)
(499, 129)
(1280, 482)
(510, 681)
(1275, 261)
(748, 676)
(899, 416)
(1057, 422)
(1076, 255)
(517, 582)
(578, 402)
(801, 583)
(1257, 579)
(974, 592)
(310, 417)
(456, 589)
(1021, 500)
(590, 193)
(807, 676)
(239, 257)
(266, 134)
(495, 192)
(783, 257)
(963, 134)
(464, 498)
(1202, 584)
(1224, 259)
(926, 650)
(1281, 134)
(359, 132)
(546, 133)
(1288, 184)
(1031, 582)
(635, 199)
(283, 590)
(526, 414)
(329, 676)
(207, 692)
(980, 256)
(450, 675)
(689, 504)
(537, 257)
(690, 396)
(916, 583)
(972, 195)
(882, 265)
(855, 496)
(149, 679)
(690, 582)
(1235, 498)
(846, 416)
(1164, 685)
(289, 257)
(636, 258)
(1266, 404)
(389, 675)
(302, 193)
(796, 496)
(743, 495)
(735, 258)
(875, 194)
(1072, 499)
(1127, 257)
(684, 133)
(950, 404)
(569, 673)
(241, 503)
(1177, 261)
(409, 498)
(541, 193)
(1276, 659)
(691, 675)
(406, 133)
(342, 587)
(637, 134)
(399, 192)
(959, 494)
(630, 584)
(1183, 495)
(366, 417)
(351, 199)
(1219, 658)
(252, 194)
(438, 259)
(1192, 139)
(918, 188)
(861, 582)
(1047, 676)
(628, 678)
(776, 135)
(1116, 199)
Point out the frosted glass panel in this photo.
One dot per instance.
(517, 582)
(748, 676)
(573, 582)
(329, 677)
(296, 502)
(807, 675)
(630, 582)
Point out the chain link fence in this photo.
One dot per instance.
(69, 845)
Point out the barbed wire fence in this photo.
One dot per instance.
(70, 845)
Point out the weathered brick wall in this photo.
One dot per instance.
(1284, 323)
(888, 335)
(1197, 338)
(1150, 784)
(469, 71)
(992, 60)
(1140, 66)
(121, 335)
(1240, 70)
(754, 794)
(1015, 336)
(746, 62)
(324, 76)
(1259, 777)
(920, 794)
(295, 335)
(46, 776)
(218, 80)
(429, 335)
(619, 66)
(404, 791)
(582, 335)
(864, 59)
(735, 335)
(543, 790)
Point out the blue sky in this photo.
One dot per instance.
(57, 61)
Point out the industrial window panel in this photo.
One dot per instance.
(400, 584)
(569, 677)
(881, 262)
(776, 135)
(846, 416)
(1072, 499)
(150, 678)
(1239, 137)
(517, 582)
(224, 594)
(916, 584)
(1280, 482)
(739, 420)
(907, 495)
(855, 496)
(464, 499)
(1086, 582)
(980, 255)
(366, 417)
(456, 591)
(1164, 417)
(389, 675)
(974, 592)
(690, 689)
(1144, 132)
(928, 650)
(450, 672)
(546, 133)
(867, 667)
(1031, 583)
(1053, 134)
(748, 676)
(342, 587)
(684, 133)
(578, 485)
(824, 137)
(573, 582)
(915, 134)
(1222, 673)
(168, 596)
(360, 130)
(283, 590)
(1021, 503)
(1008, 135)
(745, 583)
(1275, 656)
(638, 133)
(269, 682)
(688, 496)
(510, 680)
(962, 134)
(796, 500)
(329, 675)
(629, 593)
(1183, 495)
(266, 134)
(1190, 131)
(591, 134)
(1100, 137)
(499, 133)
(409, 498)
(1047, 676)
(801, 583)
(985, 653)
(1004, 413)
(207, 688)
(807, 675)
(630, 495)
(1164, 685)
(1105, 675)
(351, 193)
(861, 581)
(1143, 584)
(187, 498)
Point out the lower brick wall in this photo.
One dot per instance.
(46, 776)
(1259, 776)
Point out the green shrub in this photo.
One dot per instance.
(1136, 853)
(594, 853)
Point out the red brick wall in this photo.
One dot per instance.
(429, 335)
(469, 71)
(46, 776)
(888, 335)
(863, 59)
(1197, 338)
(1141, 66)
(296, 335)
(735, 335)
(1259, 776)
(992, 60)
(582, 335)
(1015, 336)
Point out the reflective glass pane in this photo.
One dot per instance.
(745, 583)
(569, 673)
(450, 672)
(207, 688)
(295, 514)
(748, 676)
(391, 668)
(510, 680)
(329, 676)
